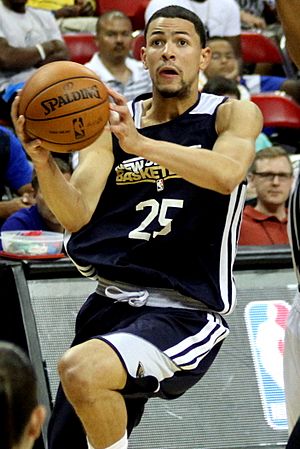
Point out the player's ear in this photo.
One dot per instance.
(144, 57)
(205, 58)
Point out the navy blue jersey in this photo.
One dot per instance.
(152, 228)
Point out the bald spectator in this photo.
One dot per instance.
(112, 62)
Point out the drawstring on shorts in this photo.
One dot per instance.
(135, 299)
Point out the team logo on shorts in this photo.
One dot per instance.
(266, 321)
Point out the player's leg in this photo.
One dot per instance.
(65, 430)
(91, 374)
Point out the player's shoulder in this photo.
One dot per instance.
(243, 112)
(232, 105)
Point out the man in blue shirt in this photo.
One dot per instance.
(15, 175)
(38, 217)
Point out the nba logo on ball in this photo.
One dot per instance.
(65, 105)
(266, 322)
(78, 127)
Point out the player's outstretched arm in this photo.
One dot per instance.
(238, 124)
(74, 202)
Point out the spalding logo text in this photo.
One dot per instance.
(51, 104)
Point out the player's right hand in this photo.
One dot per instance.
(33, 147)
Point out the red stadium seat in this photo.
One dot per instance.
(279, 111)
(81, 46)
(257, 48)
(137, 43)
(134, 9)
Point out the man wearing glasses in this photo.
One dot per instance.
(271, 176)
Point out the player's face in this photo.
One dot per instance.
(223, 61)
(114, 39)
(15, 5)
(273, 190)
(174, 56)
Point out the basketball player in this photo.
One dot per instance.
(153, 213)
(21, 415)
(289, 13)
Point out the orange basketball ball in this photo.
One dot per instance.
(65, 105)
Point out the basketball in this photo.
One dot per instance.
(65, 105)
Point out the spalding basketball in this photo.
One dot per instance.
(65, 105)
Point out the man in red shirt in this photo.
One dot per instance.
(271, 175)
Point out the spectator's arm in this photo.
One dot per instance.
(66, 11)
(252, 21)
(9, 207)
(55, 50)
(20, 58)
(17, 58)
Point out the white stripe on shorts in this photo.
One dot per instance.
(136, 351)
(200, 343)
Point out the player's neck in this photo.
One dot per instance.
(159, 110)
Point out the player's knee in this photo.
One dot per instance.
(73, 379)
(89, 366)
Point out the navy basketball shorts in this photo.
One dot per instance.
(164, 350)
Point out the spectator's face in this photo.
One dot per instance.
(114, 39)
(174, 56)
(15, 5)
(223, 61)
(272, 190)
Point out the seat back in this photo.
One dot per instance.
(134, 9)
(137, 43)
(279, 111)
(257, 47)
(81, 46)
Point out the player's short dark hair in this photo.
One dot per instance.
(178, 12)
